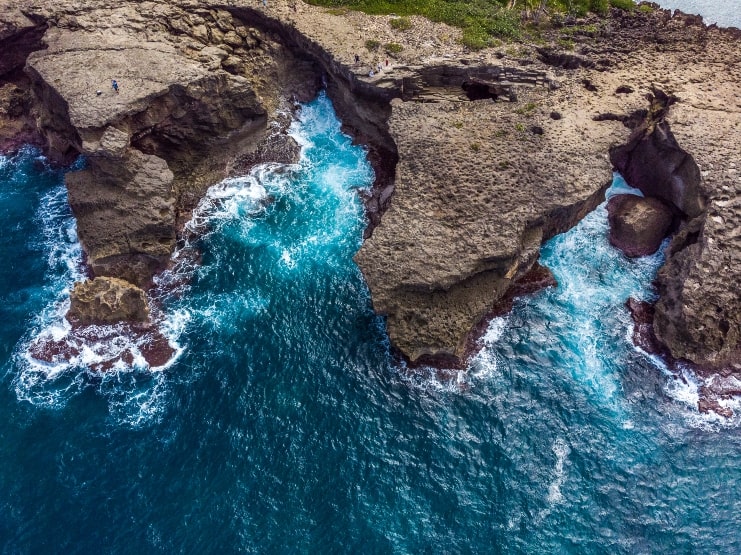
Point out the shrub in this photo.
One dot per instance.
(400, 23)
(371, 44)
(627, 5)
(599, 6)
(475, 147)
(393, 48)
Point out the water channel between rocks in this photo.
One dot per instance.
(282, 422)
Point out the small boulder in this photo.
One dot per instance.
(107, 300)
(638, 225)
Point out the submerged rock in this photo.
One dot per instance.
(106, 300)
(637, 225)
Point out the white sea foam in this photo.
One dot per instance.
(52, 384)
(620, 187)
(562, 451)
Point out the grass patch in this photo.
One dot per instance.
(527, 109)
(627, 5)
(401, 23)
(482, 21)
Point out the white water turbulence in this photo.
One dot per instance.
(581, 327)
(289, 218)
(280, 219)
(130, 389)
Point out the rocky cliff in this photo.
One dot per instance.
(480, 157)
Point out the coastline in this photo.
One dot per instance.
(446, 158)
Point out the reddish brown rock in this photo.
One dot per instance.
(637, 225)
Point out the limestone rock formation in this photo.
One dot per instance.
(638, 225)
(106, 300)
(653, 161)
(476, 194)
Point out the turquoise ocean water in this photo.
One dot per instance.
(283, 425)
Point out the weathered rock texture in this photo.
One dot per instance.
(184, 110)
(105, 300)
(472, 206)
(638, 225)
(479, 157)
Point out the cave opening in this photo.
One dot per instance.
(478, 91)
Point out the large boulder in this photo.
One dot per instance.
(106, 300)
(637, 225)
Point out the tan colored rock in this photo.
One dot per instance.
(106, 300)
(476, 194)
(637, 225)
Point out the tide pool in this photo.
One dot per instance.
(283, 424)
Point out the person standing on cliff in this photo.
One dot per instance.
(114, 85)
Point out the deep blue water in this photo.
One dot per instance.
(284, 426)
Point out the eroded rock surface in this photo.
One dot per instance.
(638, 225)
(105, 300)
(476, 195)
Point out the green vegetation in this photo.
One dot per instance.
(645, 8)
(458, 125)
(400, 23)
(372, 45)
(527, 109)
(625, 5)
(475, 147)
(393, 48)
(483, 22)
(520, 127)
